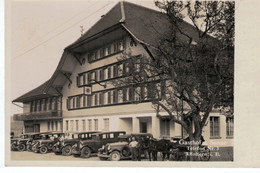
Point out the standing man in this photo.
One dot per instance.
(133, 147)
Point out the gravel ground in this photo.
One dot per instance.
(223, 154)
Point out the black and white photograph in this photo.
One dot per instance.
(147, 81)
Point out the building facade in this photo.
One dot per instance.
(80, 95)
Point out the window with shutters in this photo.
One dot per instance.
(89, 101)
(109, 97)
(101, 98)
(115, 71)
(115, 96)
(77, 101)
(109, 72)
(96, 99)
(89, 78)
(101, 74)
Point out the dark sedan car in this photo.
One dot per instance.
(85, 148)
(46, 143)
(120, 150)
(65, 146)
(20, 143)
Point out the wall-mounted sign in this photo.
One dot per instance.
(87, 90)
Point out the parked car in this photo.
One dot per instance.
(46, 143)
(20, 143)
(120, 150)
(36, 136)
(64, 147)
(84, 148)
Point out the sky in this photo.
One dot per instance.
(37, 33)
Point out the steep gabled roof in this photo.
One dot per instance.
(36, 93)
(145, 25)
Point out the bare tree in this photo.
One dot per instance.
(189, 73)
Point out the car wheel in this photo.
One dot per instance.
(205, 154)
(85, 152)
(66, 151)
(13, 147)
(21, 147)
(115, 156)
(126, 152)
(43, 150)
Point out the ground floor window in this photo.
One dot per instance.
(106, 124)
(77, 125)
(214, 127)
(229, 126)
(89, 125)
(83, 125)
(165, 128)
(72, 125)
(96, 124)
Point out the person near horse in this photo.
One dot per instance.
(134, 151)
(139, 148)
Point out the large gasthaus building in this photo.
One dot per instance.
(79, 95)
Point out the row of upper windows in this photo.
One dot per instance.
(109, 72)
(116, 96)
(110, 49)
(44, 104)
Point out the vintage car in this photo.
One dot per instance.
(30, 140)
(120, 150)
(84, 148)
(46, 143)
(64, 147)
(20, 143)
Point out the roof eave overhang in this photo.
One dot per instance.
(93, 37)
(28, 99)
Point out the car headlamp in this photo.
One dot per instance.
(108, 147)
(103, 147)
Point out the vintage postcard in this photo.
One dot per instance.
(125, 83)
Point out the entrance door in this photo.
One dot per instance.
(36, 127)
(143, 127)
